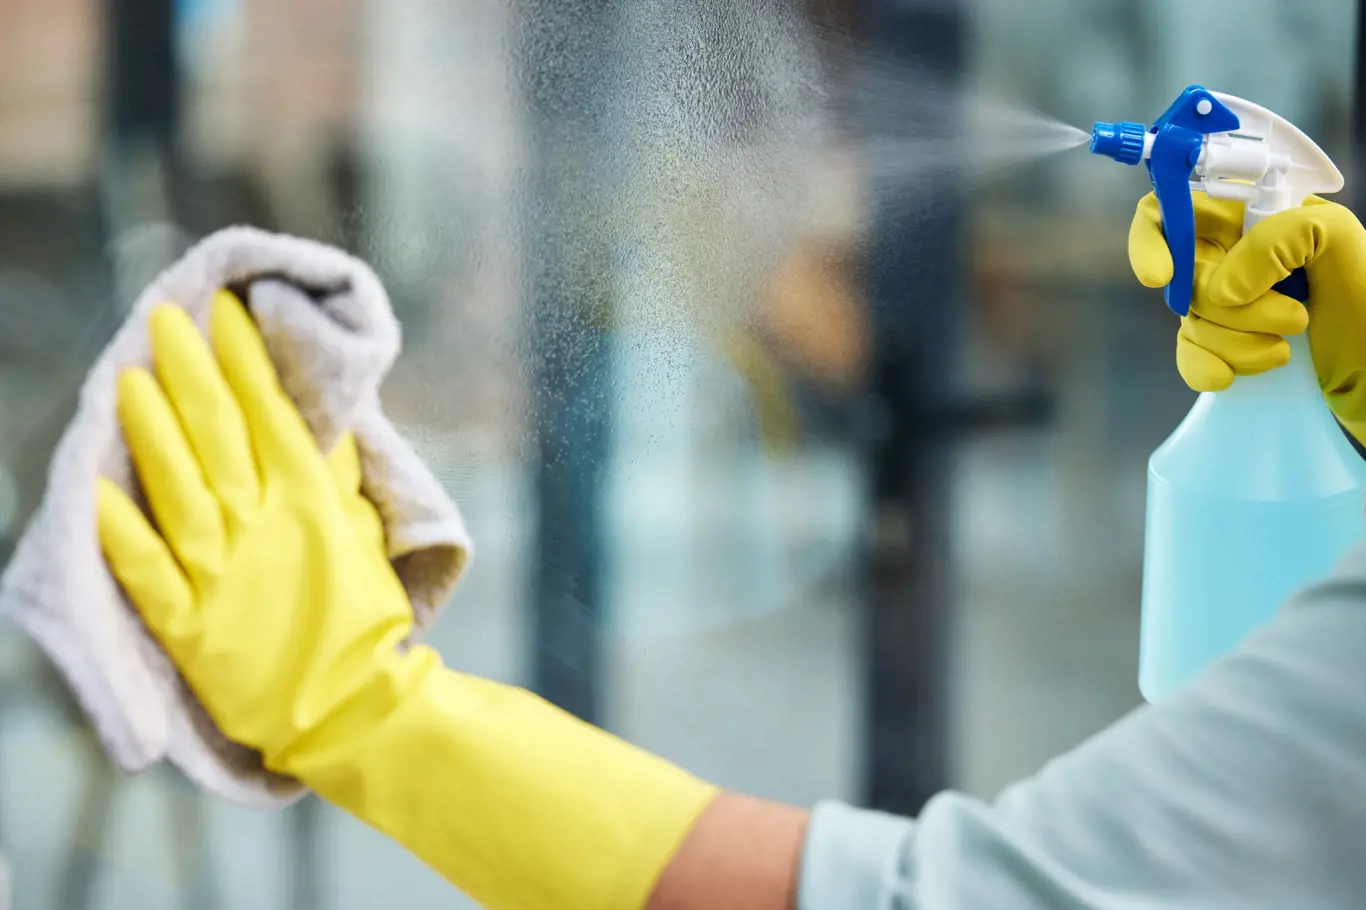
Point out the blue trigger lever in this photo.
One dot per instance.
(1178, 136)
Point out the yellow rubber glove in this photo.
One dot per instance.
(268, 585)
(1237, 324)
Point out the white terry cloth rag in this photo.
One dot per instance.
(330, 330)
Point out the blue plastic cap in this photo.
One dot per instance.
(1121, 141)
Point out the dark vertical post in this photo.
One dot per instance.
(564, 46)
(914, 286)
(142, 112)
(144, 79)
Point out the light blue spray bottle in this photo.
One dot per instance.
(1258, 492)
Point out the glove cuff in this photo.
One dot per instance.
(519, 804)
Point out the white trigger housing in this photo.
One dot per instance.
(1268, 163)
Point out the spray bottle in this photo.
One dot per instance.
(1258, 492)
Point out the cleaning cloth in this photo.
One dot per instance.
(329, 328)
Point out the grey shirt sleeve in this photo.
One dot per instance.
(1246, 789)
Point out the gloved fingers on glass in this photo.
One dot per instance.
(207, 411)
(186, 511)
(142, 563)
(281, 440)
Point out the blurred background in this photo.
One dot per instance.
(798, 444)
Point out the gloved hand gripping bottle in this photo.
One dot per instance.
(1258, 492)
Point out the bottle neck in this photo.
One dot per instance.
(1297, 379)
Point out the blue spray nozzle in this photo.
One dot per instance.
(1172, 151)
(1121, 141)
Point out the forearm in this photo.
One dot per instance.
(1240, 791)
(743, 854)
